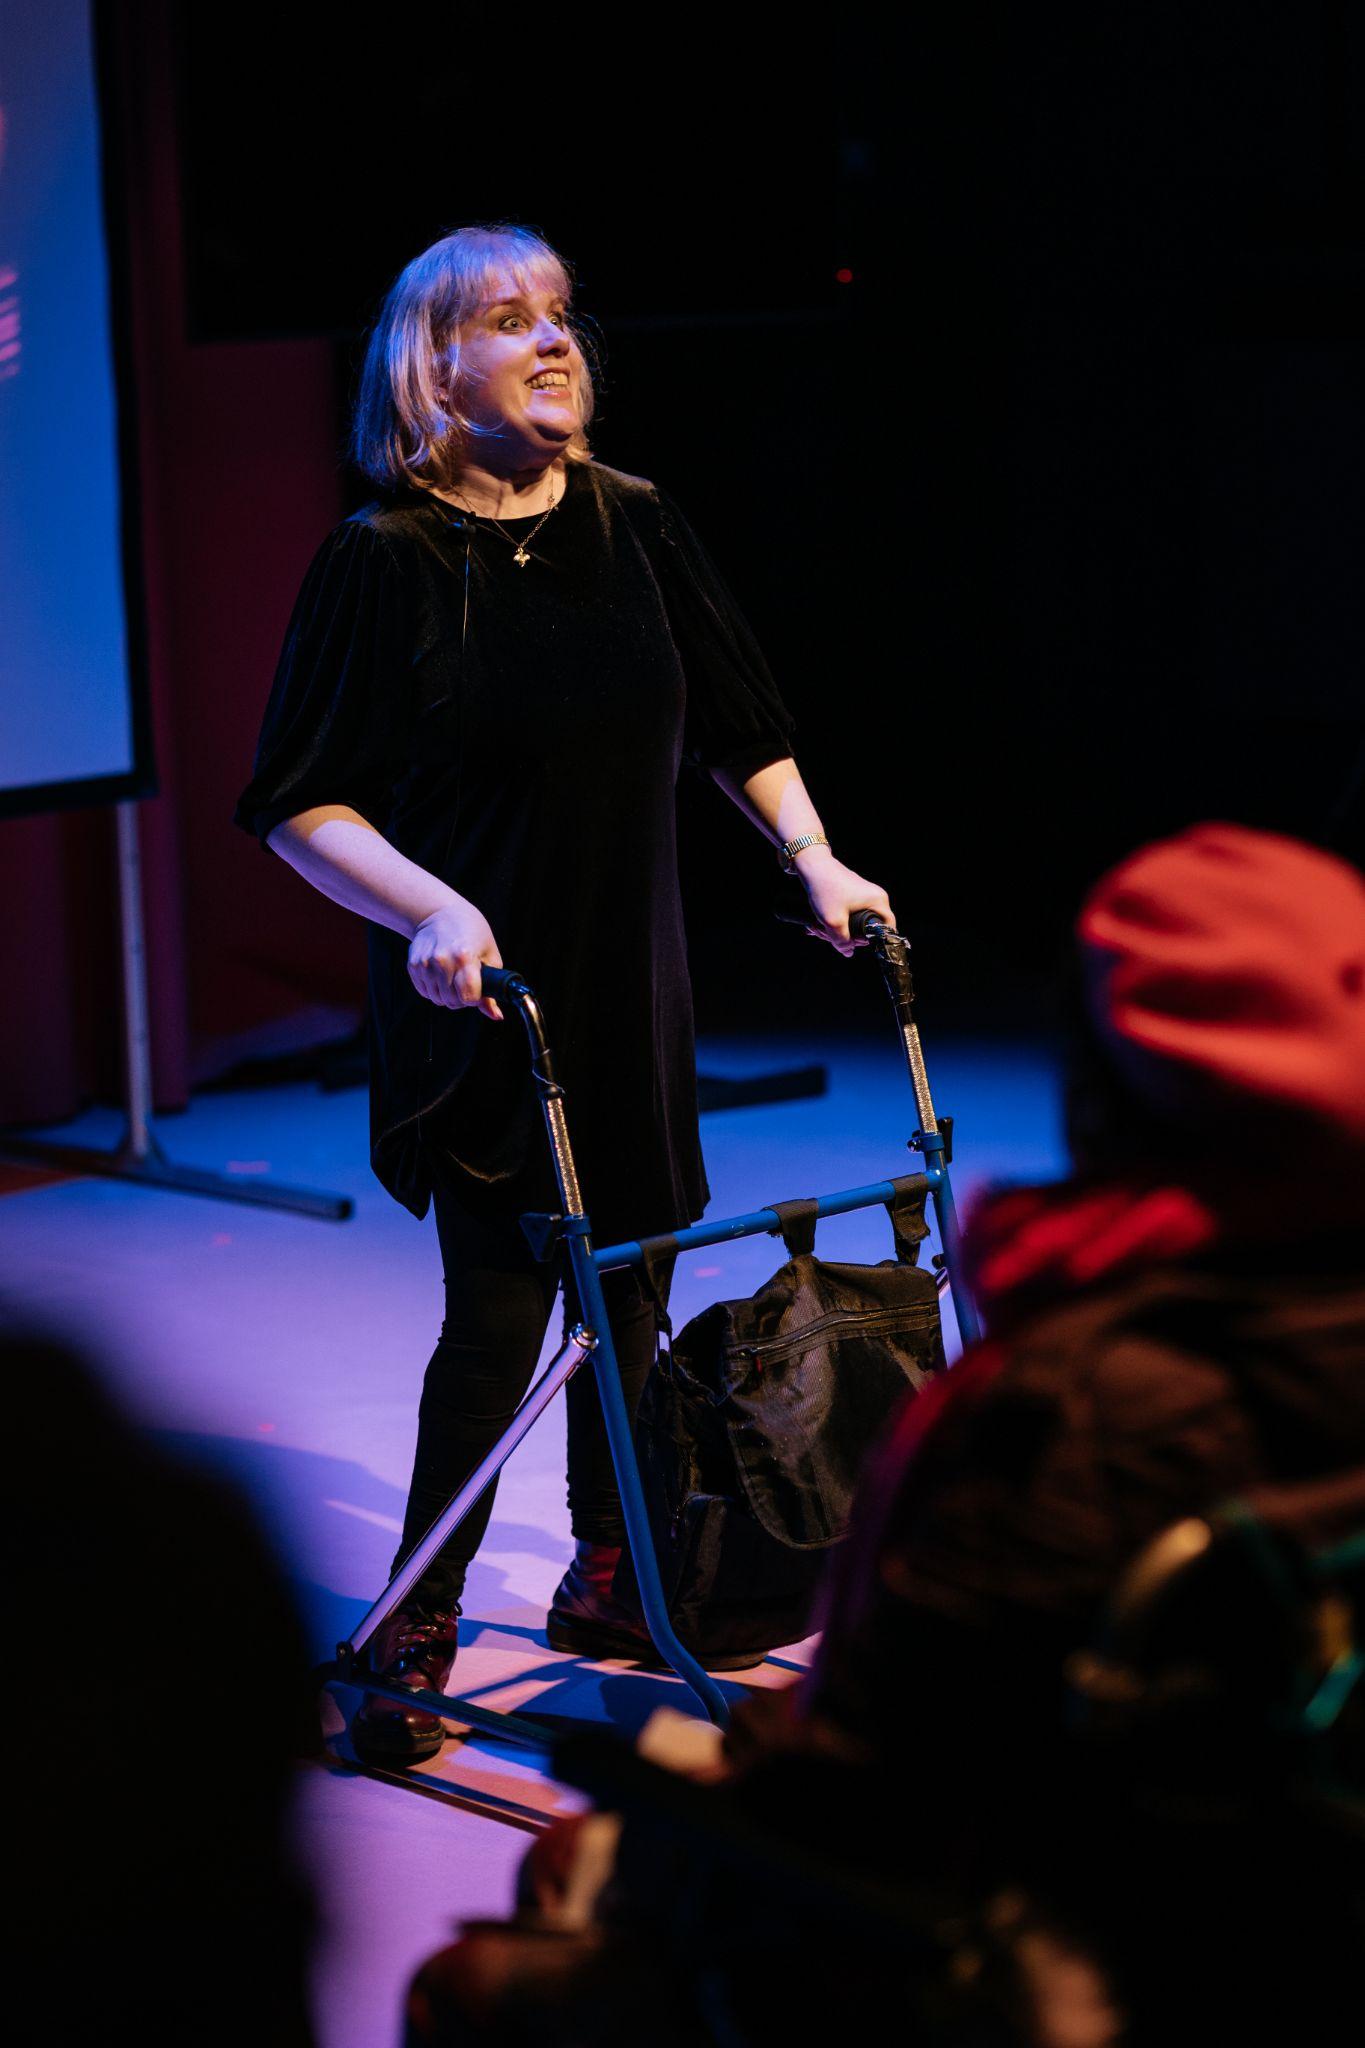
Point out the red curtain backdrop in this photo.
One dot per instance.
(240, 480)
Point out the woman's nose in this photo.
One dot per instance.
(553, 341)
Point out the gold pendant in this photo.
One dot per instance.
(521, 558)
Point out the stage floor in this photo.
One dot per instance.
(290, 1353)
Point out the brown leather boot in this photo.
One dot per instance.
(412, 1648)
(587, 1620)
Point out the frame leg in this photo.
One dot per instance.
(557, 1374)
(950, 1237)
(638, 1535)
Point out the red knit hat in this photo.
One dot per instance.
(1225, 971)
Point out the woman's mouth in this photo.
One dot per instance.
(549, 380)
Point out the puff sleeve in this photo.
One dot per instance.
(736, 719)
(333, 725)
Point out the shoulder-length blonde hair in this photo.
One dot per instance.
(409, 421)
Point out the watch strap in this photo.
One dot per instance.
(791, 847)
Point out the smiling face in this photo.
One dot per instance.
(521, 373)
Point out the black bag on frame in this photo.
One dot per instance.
(755, 1423)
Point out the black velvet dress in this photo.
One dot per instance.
(518, 731)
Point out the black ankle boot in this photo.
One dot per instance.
(416, 1648)
(584, 1618)
(587, 1620)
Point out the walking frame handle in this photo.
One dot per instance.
(934, 1138)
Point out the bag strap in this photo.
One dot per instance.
(657, 1256)
(796, 1224)
(906, 1210)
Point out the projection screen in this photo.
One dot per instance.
(73, 713)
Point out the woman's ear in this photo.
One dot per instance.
(445, 370)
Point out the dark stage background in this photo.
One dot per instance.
(1050, 517)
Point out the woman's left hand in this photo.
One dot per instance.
(835, 892)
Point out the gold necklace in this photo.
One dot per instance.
(520, 556)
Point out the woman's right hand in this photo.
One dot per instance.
(448, 948)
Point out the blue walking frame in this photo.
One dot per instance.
(591, 1338)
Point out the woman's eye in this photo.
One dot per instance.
(560, 319)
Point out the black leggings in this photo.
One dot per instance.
(498, 1302)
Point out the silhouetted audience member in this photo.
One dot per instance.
(1179, 1322)
(158, 1699)
(1182, 1319)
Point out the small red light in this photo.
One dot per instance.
(843, 277)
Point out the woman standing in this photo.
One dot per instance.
(491, 677)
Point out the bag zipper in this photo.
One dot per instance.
(866, 1321)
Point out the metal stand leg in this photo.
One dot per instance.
(638, 1534)
(139, 1156)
